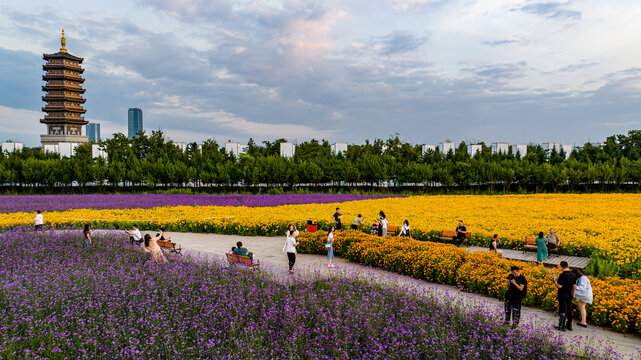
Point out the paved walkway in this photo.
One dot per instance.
(530, 256)
(269, 251)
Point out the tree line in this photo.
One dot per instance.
(150, 161)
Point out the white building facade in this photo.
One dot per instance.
(474, 149)
(9, 147)
(500, 148)
(446, 146)
(339, 148)
(287, 149)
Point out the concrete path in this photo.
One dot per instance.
(269, 251)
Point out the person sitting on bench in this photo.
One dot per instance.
(161, 234)
(460, 234)
(554, 242)
(241, 251)
(136, 236)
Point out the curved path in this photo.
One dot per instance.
(269, 251)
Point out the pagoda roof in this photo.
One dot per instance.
(60, 55)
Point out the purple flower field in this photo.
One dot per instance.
(31, 203)
(59, 301)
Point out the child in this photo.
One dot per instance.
(233, 250)
(375, 228)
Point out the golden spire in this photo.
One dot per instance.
(63, 41)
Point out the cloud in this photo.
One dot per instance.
(400, 42)
(499, 42)
(501, 71)
(551, 10)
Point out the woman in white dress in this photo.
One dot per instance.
(584, 294)
(290, 246)
(330, 246)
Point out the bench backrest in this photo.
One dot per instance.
(392, 229)
(244, 260)
(232, 258)
(448, 233)
(530, 240)
(165, 244)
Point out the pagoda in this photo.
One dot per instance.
(64, 101)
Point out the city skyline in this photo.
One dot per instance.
(520, 72)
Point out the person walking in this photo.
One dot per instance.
(330, 246)
(359, 221)
(461, 232)
(516, 291)
(151, 246)
(382, 224)
(583, 294)
(337, 219)
(566, 283)
(554, 242)
(541, 248)
(39, 220)
(494, 245)
(87, 236)
(405, 230)
(290, 246)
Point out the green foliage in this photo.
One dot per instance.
(149, 162)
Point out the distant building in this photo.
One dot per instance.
(134, 122)
(287, 149)
(339, 148)
(67, 148)
(9, 147)
(445, 147)
(500, 148)
(474, 149)
(93, 132)
(181, 145)
(63, 97)
(521, 149)
(51, 148)
(236, 149)
(549, 146)
(567, 149)
(428, 147)
(96, 152)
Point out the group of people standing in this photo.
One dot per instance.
(379, 225)
(571, 284)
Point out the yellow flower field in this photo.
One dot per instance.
(603, 223)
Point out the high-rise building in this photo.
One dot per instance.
(135, 122)
(63, 97)
(93, 132)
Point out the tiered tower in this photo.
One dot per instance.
(63, 111)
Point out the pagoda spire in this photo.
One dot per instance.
(63, 42)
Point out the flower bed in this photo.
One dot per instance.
(31, 203)
(617, 302)
(589, 225)
(59, 301)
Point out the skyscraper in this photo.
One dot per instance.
(93, 132)
(135, 122)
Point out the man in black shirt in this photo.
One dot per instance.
(517, 288)
(460, 233)
(337, 218)
(567, 286)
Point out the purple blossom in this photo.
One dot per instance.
(30, 203)
(59, 301)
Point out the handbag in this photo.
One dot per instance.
(328, 245)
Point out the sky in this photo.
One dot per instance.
(343, 70)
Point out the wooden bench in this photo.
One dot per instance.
(242, 260)
(392, 230)
(530, 244)
(448, 236)
(171, 246)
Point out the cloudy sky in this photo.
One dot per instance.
(344, 70)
